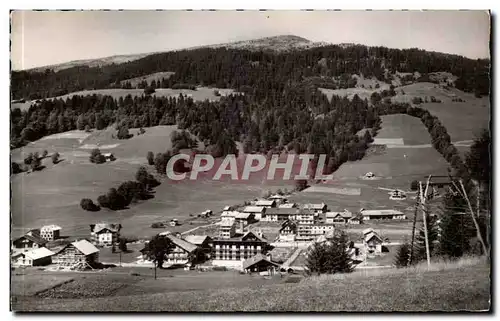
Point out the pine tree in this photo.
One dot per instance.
(432, 235)
(402, 256)
(330, 257)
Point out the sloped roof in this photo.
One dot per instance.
(33, 238)
(371, 235)
(277, 197)
(282, 211)
(229, 214)
(256, 259)
(85, 247)
(254, 209)
(51, 227)
(39, 253)
(368, 230)
(265, 203)
(113, 227)
(243, 216)
(289, 223)
(185, 245)
(380, 212)
(287, 205)
(227, 208)
(345, 214)
(196, 239)
(254, 234)
(314, 206)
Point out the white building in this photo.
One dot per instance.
(105, 234)
(382, 215)
(257, 211)
(50, 232)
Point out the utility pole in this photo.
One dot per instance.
(413, 232)
(423, 196)
(476, 224)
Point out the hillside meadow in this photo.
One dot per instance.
(453, 288)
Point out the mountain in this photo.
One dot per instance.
(276, 43)
(281, 43)
(98, 62)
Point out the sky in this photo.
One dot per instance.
(40, 38)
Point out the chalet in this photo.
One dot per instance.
(77, 255)
(50, 232)
(355, 220)
(28, 242)
(372, 242)
(229, 214)
(227, 208)
(397, 195)
(260, 263)
(36, 257)
(315, 208)
(287, 205)
(206, 213)
(338, 217)
(266, 203)
(104, 234)
(382, 215)
(173, 222)
(244, 218)
(181, 252)
(227, 228)
(288, 231)
(257, 211)
(279, 199)
(238, 249)
(280, 214)
(204, 242)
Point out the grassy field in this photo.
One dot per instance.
(461, 119)
(52, 196)
(451, 289)
(149, 78)
(200, 94)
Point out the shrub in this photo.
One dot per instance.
(87, 129)
(158, 225)
(96, 156)
(414, 185)
(55, 158)
(417, 100)
(88, 205)
(44, 153)
(123, 133)
(300, 184)
(151, 158)
(16, 168)
(103, 201)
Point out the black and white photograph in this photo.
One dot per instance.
(250, 161)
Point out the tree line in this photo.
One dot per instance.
(255, 70)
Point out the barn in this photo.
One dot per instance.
(36, 257)
(77, 255)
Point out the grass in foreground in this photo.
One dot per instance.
(452, 289)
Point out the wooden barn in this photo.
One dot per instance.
(28, 242)
(260, 263)
(77, 255)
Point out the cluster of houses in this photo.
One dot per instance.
(299, 222)
(234, 246)
(45, 246)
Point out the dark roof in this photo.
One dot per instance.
(33, 238)
(242, 238)
(96, 228)
(256, 259)
(282, 211)
(288, 223)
